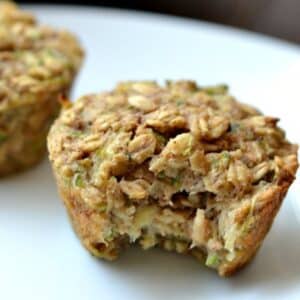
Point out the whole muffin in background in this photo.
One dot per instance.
(183, 167)
(37, 66)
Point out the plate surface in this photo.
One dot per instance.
(41, 258)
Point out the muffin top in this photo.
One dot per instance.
(10, 14)
(158, 142)
(33, 58)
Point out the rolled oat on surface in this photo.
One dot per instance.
(180, 166)
(37, 66)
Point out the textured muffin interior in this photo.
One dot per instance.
(181, 166)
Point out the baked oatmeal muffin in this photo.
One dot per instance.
(184, 167)
(37, 66)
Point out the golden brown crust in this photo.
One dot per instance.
(24, 142)
(87, 225)
(253, 240)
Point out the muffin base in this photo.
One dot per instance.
(23, 132)
(89, 224)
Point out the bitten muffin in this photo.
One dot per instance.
(180, 166)
(37, 66)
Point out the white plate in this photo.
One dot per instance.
(40, 257)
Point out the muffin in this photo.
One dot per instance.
(183, 167)
(37, 66)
